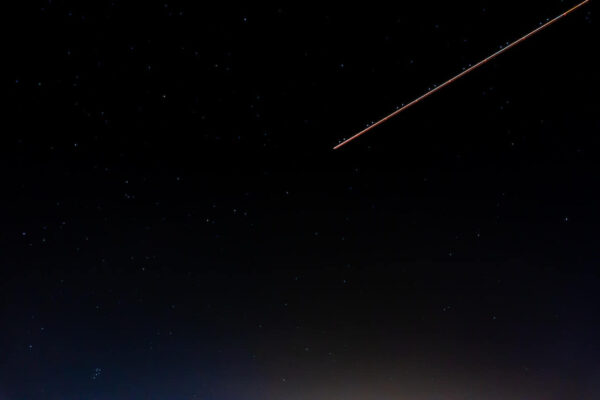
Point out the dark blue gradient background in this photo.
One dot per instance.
(174, 224)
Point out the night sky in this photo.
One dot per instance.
(175, 225)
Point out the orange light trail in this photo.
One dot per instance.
(463, 73)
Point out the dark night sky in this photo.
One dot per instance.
(174, 224)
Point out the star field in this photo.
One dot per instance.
(174, 224)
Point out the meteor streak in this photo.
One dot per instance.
(463, 73)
